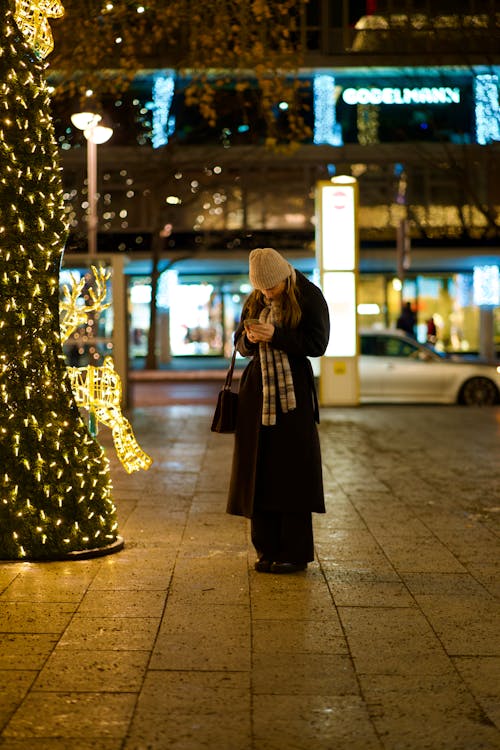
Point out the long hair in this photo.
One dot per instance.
(291, 312)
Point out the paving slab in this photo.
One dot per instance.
(480, 674)
(61, 743)
(397, 640)
(26, 651)
(72, 716)
(427, 712)
(298, 637)
(358, 589)
(322, 722)
(203, 637)
(115, 671)
(190, 709)
(35, 617)
(302, 673)
(466, 625)
(110, 633)
(122, 603)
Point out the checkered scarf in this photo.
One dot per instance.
(276, 372)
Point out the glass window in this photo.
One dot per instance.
(389, 346)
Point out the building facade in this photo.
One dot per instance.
(408, 103)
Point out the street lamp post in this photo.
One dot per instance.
(95, 135)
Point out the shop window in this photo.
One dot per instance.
(196, 320)
(371, 302)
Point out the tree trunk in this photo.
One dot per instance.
(151, 362)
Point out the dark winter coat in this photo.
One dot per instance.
(281, 464)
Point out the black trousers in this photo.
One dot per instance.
(283, 537)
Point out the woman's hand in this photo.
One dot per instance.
(260, 332)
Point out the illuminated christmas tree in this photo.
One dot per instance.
(55, 490)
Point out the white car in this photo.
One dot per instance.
(394, 367)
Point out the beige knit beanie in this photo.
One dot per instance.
(267, 268)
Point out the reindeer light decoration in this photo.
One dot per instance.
(98, 389)
(32, 20)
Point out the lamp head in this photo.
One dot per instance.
(89, 123)
(98, 134)
(85, 120)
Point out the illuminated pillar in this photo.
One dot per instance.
(337, 254)
(486, 294)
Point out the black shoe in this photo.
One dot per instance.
(262, 565)
(287, 567)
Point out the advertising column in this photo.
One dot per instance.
(486, 291)
(337, 256)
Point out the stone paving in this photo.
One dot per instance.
(389, 641)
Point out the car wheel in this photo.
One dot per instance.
(479, 392)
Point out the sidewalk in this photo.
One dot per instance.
(390, 641)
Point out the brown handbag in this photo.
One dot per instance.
(224, 419)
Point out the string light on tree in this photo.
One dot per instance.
(55, 488)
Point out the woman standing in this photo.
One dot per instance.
(276, 477)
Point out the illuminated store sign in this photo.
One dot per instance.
(425, 95)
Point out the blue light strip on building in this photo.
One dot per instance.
(326, 129)
(486, 280)
(487, 109)
(163, 124)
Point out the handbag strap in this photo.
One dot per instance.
(229, 375)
